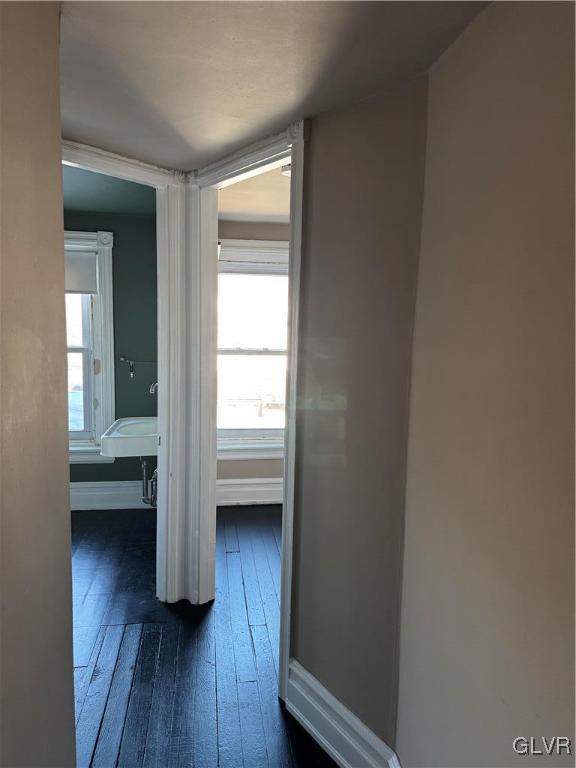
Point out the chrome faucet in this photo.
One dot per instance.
(153, 388)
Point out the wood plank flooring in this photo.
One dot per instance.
(173, 686)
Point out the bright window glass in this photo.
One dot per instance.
(78, 334)
(252, 324)
(252, 311)
(76, 392)
(251, 391)
(74, 320)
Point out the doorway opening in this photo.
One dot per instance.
(111, 322)
(259, 171)
(111, 266)
(252, 344)
(170, 683)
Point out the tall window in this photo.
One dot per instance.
(252, 344)
(90, 342)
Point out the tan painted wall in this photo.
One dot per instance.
(253, 230)
(36, 690)
(362, 201)
(487, 637)
(250, 468)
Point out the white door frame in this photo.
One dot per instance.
(274, 151)
(187, 237)
(173, 389)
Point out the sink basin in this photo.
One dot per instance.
(134, 436)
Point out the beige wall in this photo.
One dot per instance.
(253, 230)
(487, 636)
(36, 691)
(362, 207)
(250, 468)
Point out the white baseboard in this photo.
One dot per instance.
(127, 494)
(123, 494)
(263, 490)
(340, 733)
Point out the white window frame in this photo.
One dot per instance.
(254, 257)
(85, 447)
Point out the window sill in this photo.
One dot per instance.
(229, 449)
(246, 449)
(88, 454)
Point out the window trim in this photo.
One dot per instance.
(87, 451)
(254, 257)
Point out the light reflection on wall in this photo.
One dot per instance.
(324, 406)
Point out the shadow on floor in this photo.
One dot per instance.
(179, 685)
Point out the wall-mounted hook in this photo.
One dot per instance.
(130, 364)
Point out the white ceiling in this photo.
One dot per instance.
(181, 84)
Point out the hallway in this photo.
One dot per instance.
(172, 686)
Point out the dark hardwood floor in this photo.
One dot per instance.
(176, 685)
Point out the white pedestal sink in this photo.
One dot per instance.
(133, 436)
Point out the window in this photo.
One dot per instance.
(252, 348)
(90, 342)
(79, 340)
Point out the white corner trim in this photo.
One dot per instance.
(127, 494)
(338, 731)
(199, 301)
(100, 161)
(297, 136)
(270, 152)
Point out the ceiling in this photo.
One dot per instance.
(88, 191)
(262, 198)
(181, 84)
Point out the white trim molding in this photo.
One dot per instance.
(127, 494)
(263, 490)
(250, 449)
(116, 494)
(297, 134)
(186, 211)
(203, 292)
(100, 388)
(348, 741)
(87, 454)
(103, 309)
(258, 257)
(173, 397)
(110, 164)
(271, 152)
(200, 281)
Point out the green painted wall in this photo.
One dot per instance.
(135, 334)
